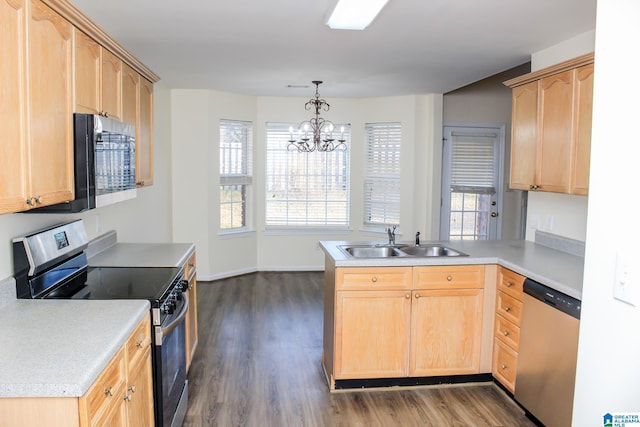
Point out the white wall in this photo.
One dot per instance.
(147, 218)
(557, 213)
(608, 375)
(195, 119)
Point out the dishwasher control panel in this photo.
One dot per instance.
(549, 296)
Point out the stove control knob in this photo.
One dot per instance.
(184, 285)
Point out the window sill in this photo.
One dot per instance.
(304, 231)
(235, 234)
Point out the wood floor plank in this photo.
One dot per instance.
(258, 363)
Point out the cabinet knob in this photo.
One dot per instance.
(127, 397)
(504, 366)
(140, 344)
(108, 391)
(29, 201)
(417, 295)
(374, 279)
(506, 333)
(449, 278)
(132, 388)
(509, 284)
(407, 295)
(507, 309)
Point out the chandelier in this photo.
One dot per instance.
(316, 134)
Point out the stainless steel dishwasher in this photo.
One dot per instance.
(546, 374)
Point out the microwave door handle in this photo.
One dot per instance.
(163, 332)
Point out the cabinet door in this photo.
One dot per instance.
(13, 150)
(139, 393)
(372, 334)
(556, 132)
(111, 85)
(130, 93)
(446, 330)
(583, 101)
(524, 136)
(87, 68)
(144, 141)
(49, 38)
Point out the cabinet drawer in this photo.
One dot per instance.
(505, 364)
(510, 282)
(448, 277)
(138, 343)
(107, 391)
(507, 332)
(509, 308)
(190, 267)
(373, 278)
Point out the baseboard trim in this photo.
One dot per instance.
(243, 271)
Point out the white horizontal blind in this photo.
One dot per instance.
(472, 163)
(382, 174)
(305, 190)
(235, 173)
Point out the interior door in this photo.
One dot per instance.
(472, 171)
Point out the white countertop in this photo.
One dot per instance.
(143, 255)
(558, 270)
(57, 348)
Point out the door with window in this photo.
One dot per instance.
(472, 182)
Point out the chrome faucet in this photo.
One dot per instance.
(392, 235)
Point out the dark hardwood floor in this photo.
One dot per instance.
(258, 363)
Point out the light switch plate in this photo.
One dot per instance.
(625, 287)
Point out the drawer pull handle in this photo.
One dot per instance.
(507, 309)
(449, 278)
(509, 284)
(108, 391)
(505, 366)
(506, 333)
(374, 279)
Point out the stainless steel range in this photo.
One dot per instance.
(52, 264)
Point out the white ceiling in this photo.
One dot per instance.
(258, 47)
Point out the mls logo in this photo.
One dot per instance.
(607, 420)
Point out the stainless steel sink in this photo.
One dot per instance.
(372, 251)
(431, 251)
(387, 251)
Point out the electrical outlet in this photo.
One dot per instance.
(625, 288)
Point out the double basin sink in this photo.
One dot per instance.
(387, 251)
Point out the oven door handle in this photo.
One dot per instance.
(163, 332)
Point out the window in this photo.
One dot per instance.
(382, 174)
(235, 173)
(305, 190)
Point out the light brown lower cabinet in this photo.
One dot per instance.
(391, 322)
(121, 396)
(191, 323)
(507, 327)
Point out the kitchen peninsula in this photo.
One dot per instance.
(409, 319)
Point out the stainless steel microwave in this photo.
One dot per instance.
(104, 164)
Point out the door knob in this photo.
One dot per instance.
(494, 214)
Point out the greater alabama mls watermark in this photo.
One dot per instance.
(621, 420)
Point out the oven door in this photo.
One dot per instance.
(170, 373)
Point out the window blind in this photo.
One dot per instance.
(472, 163)
(382, 174)
(235, 173)
(305, 189)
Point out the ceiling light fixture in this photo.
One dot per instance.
(354, 14)
(316, 134)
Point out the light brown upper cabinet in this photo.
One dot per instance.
(144, 137)
(36, 158)
(551, 128)
(130, 95)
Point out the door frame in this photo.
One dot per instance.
(500, 129)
